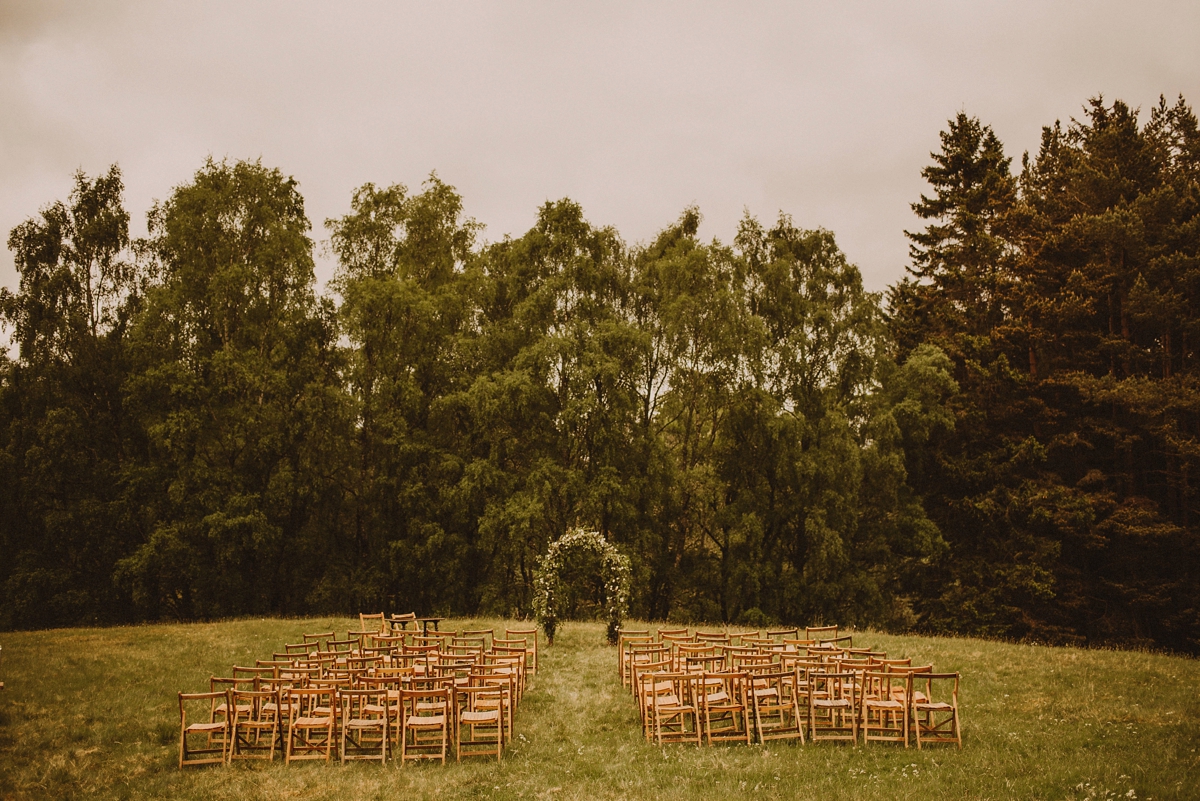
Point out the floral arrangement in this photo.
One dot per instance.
(547, 581)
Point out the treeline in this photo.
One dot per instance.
(190, 430)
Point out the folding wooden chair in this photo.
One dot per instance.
(936, 721)
(311, 715)
(255, 734)
(426, 718)
(501, 678)
(640, 671)
(832, 706)
(211, 730)
(639, 653)
(724, 707)
(883, 708)
(376, 623)
(479, 729)
(364, 724)
(776, 697)
(531, 637)
(673, 716)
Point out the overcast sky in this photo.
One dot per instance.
(827, 111)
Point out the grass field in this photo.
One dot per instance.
(92, 713)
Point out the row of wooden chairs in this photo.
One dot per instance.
(370, 696)
(747, 686)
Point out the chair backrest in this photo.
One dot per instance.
(373, 622)
(905, 662)
(310, 702)
(712, 636)
(821, 632)
(675, 633)
(487, 635)
(426, 701)
(253, 672)
(301, 648)
(834, 686)
(319, 638)
(366, 702)
(780, 634)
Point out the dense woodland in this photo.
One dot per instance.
(1003, 444)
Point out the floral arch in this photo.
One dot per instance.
(547, 582)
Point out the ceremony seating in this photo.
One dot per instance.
(746, 687)
(378, 693)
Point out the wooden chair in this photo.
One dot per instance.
(724, 707)
(319, 639)
(624, 637)
(832, 707)
(776, 698)
(820, 632)
(783, 634)
(426, 718)
(311, 714)
(642, 652)
(255, 734)
(479, 729)
(212, 730)
(365, 719)
(503, 679)
(640, 671)
(403, 620)
(712, 636)
(531, 635)
(671, 708)
(487, 635)
(684, 650)
(934, 720)
(223, 684)
(376, 623)
(882, 706)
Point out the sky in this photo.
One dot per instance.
(636, 110)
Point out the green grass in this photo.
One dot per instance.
(92, 712)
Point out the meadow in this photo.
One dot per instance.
(93, 713)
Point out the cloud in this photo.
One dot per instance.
(636, 110)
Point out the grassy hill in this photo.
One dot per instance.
(92, 712)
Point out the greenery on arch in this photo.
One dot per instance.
(615, 573)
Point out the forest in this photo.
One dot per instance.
(1001, 444)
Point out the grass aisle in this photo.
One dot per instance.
(92, 713)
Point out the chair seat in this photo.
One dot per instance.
(881, 704)
(365, 723)
(717, 697)
(194, 727)
(479, 717)
(311, 723)
(937, 706)
(831, 704)
(425, 721)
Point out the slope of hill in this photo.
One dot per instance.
(92, 712)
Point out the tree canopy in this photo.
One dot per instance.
(1002, 445)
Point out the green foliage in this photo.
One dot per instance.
(554, 584)
(1066, 303)
(191, 431)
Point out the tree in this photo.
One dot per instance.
(63, 433)
(236, 388)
